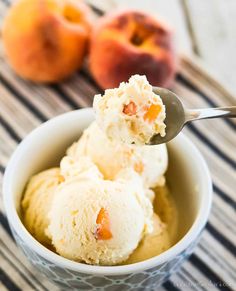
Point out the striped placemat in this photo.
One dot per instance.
(23, 106)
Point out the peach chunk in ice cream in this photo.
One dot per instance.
(103, 231)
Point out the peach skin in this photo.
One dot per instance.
(46, 40)
(131, 43)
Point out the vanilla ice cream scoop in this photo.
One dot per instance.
(132, 113)
(98, 221)
(150, 162)
(37, 201)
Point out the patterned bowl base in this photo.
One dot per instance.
(69, 279)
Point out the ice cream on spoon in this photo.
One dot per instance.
(131, 113)
(138, 113)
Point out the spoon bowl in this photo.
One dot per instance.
(177, 115)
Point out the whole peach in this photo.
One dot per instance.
(131, 43)
(46, 40)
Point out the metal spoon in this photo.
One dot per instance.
(177, 116)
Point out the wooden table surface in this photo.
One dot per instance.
(205, 28)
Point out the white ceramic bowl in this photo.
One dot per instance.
(187, 176)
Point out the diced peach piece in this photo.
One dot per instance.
(130, 109)
(138, 167)
(103, 231)
(61, 179)
(152, 112)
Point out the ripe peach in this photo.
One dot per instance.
(131, 43)
(46, 40)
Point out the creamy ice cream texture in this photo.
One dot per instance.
(37, 202)
(152, 244)
(101, 206)
(99, 221)
(150, 162)
(132, 113)
(81, 167)
(165, 226)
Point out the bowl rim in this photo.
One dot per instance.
(175, 250)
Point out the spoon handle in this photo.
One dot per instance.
(206, 113)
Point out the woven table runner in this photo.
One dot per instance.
(24, 106)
